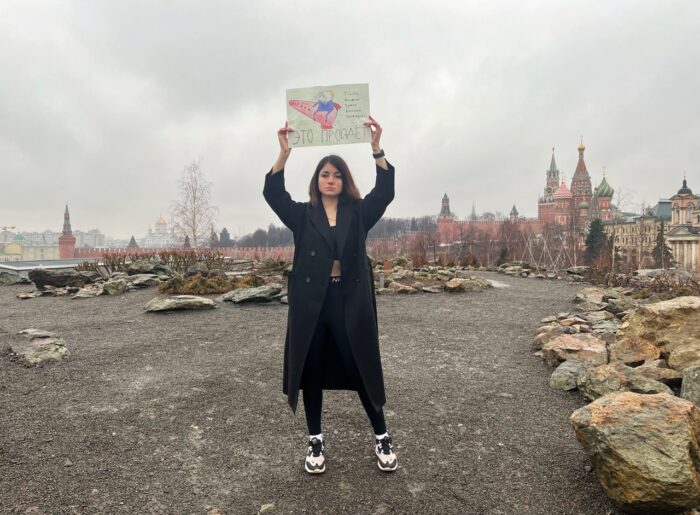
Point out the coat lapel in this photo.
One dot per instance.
(320, 221)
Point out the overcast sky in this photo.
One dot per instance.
(103, 103)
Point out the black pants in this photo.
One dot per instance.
(331, 331)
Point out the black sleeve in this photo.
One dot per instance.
(375, 202)
(289, 211)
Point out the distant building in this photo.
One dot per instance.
(684, 234)
(161, 237)
(66, 242)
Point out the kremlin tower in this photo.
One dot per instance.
(66, 241)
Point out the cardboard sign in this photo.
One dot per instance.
(328, 115)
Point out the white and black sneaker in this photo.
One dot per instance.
(386, 459)
(315, 461)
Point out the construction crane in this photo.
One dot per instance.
(5, 229)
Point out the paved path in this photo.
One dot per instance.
(182, 413)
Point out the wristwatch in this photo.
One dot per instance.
(378, 154)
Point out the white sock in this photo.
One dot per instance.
(379, 437)
(318, 436)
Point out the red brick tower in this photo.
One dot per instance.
(66, 241)
(581, 190)
(546, 205)
(562, 204)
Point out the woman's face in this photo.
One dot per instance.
(330, 180)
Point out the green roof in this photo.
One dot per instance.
(604, 189)
(662, 210)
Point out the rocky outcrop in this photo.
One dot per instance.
(645, 450)
(179, 303)
(56, 278)
(566, 375)
(673, 326)
(458, 285)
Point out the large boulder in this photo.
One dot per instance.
(180, 302)
(566, 375)
(12, 278)
(466, 285)
(549, 333)
(115, 287)
(633, 350)
(645, 450)
(42, 277)
(673, 326)
(598, 381)
(265, 293)
(35, 347)
(584, 348)
(589, 295)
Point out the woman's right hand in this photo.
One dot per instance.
(283, 137)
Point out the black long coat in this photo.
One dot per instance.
(308, 281)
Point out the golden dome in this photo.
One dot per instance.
(161, 221)
(582, 146)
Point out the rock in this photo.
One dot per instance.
(142, 266)
(31, 295)
(179, 302)
(547, 320)
(143, 280)
(577, 270)
(589, 295)
(598, 316)
(584, 348)
(644, 450)
(566, 375)
(31, 334)
(673, 326)
(633, 350)
(402, 288)
(597, 381)
(197, 268)
(58, 278)
(89, 292)
(465, 285)
(38, 350)
(266, 508)
(433, 289)
(385, 291)
(573, 321)
(264, 293)
(549, 335)
(284, 299)
(401, 274)
(115, 287)
(664, 375)
(606, 326)
(12, 278)
(690, 388)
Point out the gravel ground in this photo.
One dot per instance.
(183, 412)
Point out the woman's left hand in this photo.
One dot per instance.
(376, 133)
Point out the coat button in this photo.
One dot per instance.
(308, 279)
(312, 253)
(357, 279)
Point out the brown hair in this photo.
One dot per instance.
(349, 190)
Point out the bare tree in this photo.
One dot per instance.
(193, 213)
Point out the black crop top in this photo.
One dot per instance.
(334, 239)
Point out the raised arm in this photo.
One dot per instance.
(376, 201)
(275, 193)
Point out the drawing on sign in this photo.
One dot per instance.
(323, 109)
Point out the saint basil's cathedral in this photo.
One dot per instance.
(578, 205)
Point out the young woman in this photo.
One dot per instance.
(332, 340)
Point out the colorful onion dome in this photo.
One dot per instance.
(604, 189)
